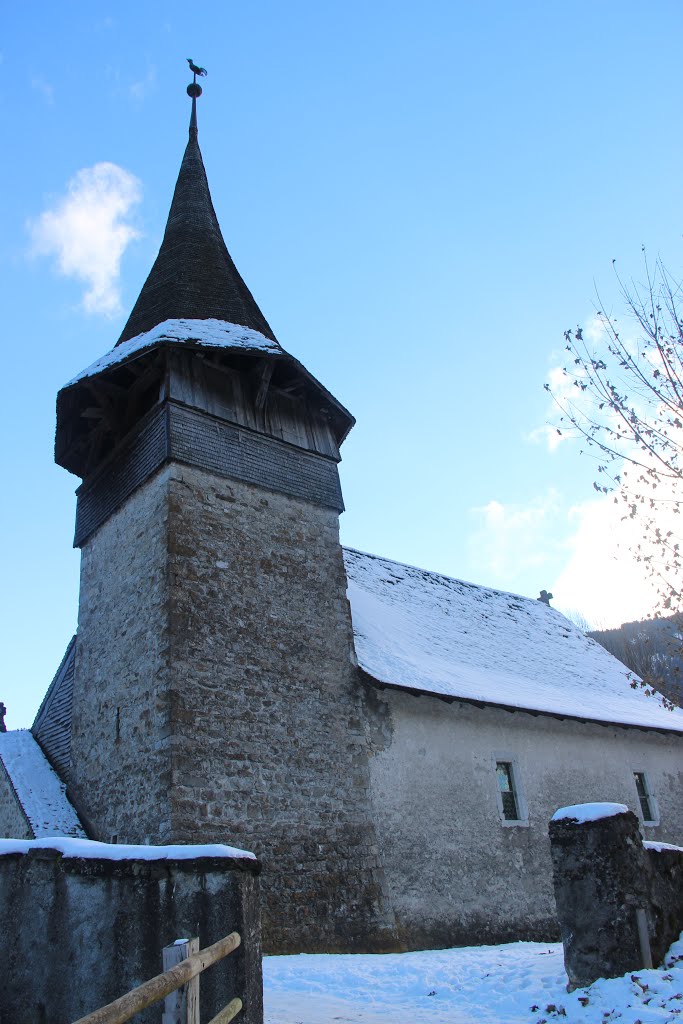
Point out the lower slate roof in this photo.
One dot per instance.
(421, 631)
(38, 788)
(52, 725)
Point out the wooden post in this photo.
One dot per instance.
(228, 1012)
(643, 938)
(125, 1008)
(181, 1006)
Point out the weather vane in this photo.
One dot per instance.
(194, 89)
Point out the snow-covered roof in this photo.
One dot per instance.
(422, 631)
(199, 333)
(88, 849)
(38, 788)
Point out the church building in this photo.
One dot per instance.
(390, 742)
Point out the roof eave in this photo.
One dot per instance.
(559, 716)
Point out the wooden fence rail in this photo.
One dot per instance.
(228, 1013)
(124, 1009)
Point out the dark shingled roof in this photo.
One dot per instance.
(52, 726)
(194, 276)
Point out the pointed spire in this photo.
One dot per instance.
(194, 131)
(193, 276)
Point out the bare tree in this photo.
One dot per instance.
(652, 650)
(623, 394)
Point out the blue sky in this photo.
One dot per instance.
(420, 196)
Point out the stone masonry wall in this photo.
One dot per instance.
(78, 933)
(13, 823)
(269, 748)
(216, 698)
(120, 767)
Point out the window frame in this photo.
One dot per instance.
(504, 757)
(651, 798)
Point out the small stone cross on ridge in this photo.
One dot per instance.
(3, 712)
(545, 597)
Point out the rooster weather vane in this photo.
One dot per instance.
(194, 89)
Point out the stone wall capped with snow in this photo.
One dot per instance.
(619, 899)
(80, 931)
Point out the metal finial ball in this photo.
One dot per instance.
(194, 90)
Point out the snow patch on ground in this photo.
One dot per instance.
(39, 789)
(91, 850)
(203, 333)
(518, 983)
(588, 812)
(421, 630)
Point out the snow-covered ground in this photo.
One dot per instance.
(519, 983)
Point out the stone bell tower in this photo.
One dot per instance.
(215, 693)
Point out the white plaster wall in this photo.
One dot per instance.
(13, 823)
(455, 872)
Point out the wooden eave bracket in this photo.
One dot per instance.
(106, 404)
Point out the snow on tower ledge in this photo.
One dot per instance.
(40, 792)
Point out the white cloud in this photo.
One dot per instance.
(594, 330)
(550, 436)
(87, 232)
(607, 578)
(514, 538)
(584, 553)
(46, 89)
(142, 88)
(565, 394)
(602, 579)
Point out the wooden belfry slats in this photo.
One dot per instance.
(177, 433)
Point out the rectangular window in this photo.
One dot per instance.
(507, 790)
(644, 796)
